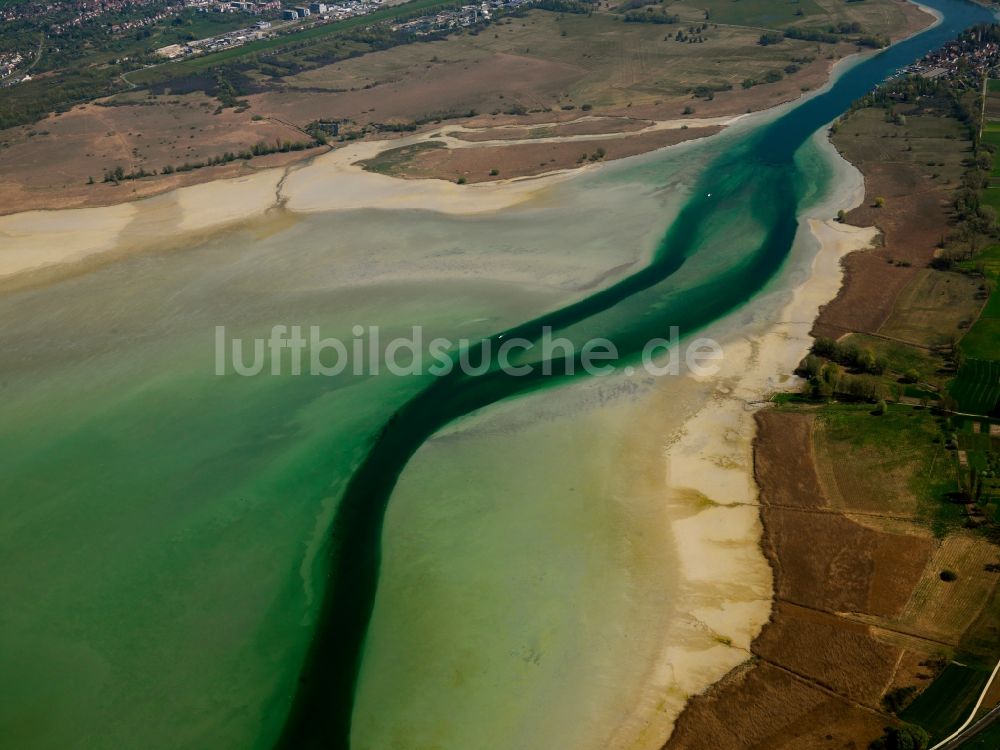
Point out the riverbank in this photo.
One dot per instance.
(856, 517)
(710, 477)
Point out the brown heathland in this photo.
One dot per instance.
(914, 167)
(48, 165)
(820, 668)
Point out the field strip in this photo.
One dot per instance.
(975, 709)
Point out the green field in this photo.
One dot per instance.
(977, 387)
(942, 707)
(991, 135)
(983, 339)
(988, 740)
(763, 13)
(991, 198)
(989, 261)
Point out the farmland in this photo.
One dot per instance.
(977, 386)
(947, 702)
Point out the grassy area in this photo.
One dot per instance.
(983, 339)
(395, 160)
(987, 261)
(991, 197)
(942, 707)
(874, 17)
(938, 145)
(574, 60)
(903, 358)
(761, 13)
(991, 135)
(897, 461)
(977, 387)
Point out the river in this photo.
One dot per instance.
(198, 561)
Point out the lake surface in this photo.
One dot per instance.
(203, 561)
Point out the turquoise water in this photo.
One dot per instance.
(194, 560)
(728, 240)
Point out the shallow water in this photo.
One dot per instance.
(165, 532)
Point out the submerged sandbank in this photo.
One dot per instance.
(37, 240)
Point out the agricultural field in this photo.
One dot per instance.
(934, 309)
(991, 135)
(898, 446)
(978, 450)
(942, 707)
(988, 740)
(983, 339)
(977, 387)
(942, 610)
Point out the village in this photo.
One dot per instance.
(965, 62)
(465, 16)
(298, 17)
(320, 13)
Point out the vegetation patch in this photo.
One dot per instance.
(396, 161)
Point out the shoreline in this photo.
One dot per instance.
(298, 187)
(827, 279)
(709, 476)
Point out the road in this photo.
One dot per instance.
(971, 732)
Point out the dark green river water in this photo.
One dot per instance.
(749, 195)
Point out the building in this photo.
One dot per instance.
(263, 25)
(170, 51)
(301, 12)
(289, 15)
(317, 7)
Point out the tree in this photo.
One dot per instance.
(905, 737)
(841, 215)
(880, 408)
(866, 361)
(879, 202)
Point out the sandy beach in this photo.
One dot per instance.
(37, 240)
(725, 596)
(42, 240)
